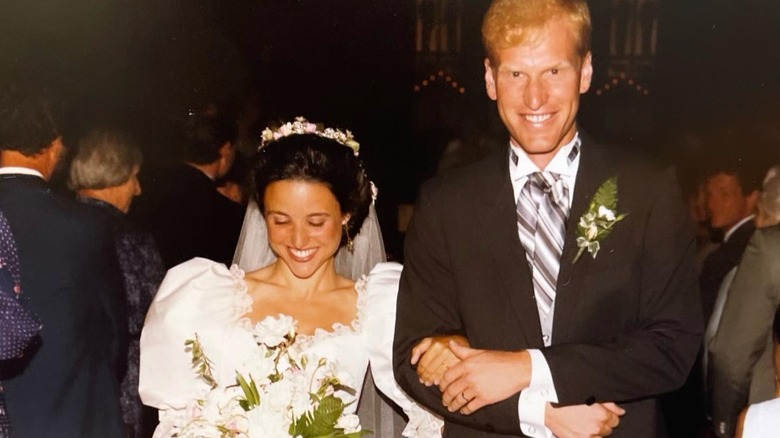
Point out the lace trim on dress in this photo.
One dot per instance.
(339, 329)
(242, 305)
(242, 302)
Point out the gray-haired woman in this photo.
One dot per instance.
(104, 173)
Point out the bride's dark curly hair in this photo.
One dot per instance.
(309, 157)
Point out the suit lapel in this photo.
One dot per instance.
(498, 222)
(592, 172)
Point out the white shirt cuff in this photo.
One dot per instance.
(530, 407)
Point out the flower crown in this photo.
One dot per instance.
(303, 126)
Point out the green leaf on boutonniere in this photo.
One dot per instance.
(606, 195)
(597, 223)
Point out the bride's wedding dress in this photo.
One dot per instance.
(208, 299)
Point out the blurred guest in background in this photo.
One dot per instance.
(705, 236)
(234, 185)
(17, 326)
(740, 354)
(183, 210)
(67, 384)
(731, 190)
(104, 173)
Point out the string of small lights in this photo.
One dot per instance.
(623, 83)
(446, 80)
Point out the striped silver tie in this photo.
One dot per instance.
(542, 209)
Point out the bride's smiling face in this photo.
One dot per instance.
(304, 223)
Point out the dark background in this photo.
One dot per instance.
(143, 64)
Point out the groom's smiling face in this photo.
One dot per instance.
(537, 86)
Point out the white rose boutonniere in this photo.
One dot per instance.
(598, 221)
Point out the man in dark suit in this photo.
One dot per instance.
(731, 192)
(66, 383)
(181, 206)
(620, 322)
(732, 197)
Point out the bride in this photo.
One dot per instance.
(309, 237)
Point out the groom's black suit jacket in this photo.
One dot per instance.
(627, 324)
(67, 383)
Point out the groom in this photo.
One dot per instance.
(562, 317)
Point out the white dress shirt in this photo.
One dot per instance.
(8, 170)
(531, 406)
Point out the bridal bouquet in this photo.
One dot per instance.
(281, 392)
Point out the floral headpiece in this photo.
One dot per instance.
(303, 126)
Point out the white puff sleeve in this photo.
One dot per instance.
(382, 291)
(196, 297)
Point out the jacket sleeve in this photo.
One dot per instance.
(428, 306)
(104, 280)
(744, 332)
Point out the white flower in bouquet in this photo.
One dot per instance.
(215, 414)
(267, 423)
(260, 365)
(273, 331)
(200, 429)
(334, 379)
(291, 392)
(279, 391)
(221, 404)
(349, 423)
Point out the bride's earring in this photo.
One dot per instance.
(350, 242)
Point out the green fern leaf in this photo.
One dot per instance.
(606, 195)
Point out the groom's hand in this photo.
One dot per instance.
(483, 377)
(583, 421)
(433, 357)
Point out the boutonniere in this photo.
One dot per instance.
(598, 221)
